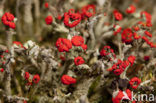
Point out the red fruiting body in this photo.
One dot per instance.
(131, 59)
(71, 12)
(135, 82)
(1, 56)
(36, 78)
(3, 62)
(24, 101)
(117, 15)
(77, 40)
(127, 36)
(140, 23)
(29, 83)
(129, 94)
(26, 75)
(105, 14)
(147, 18)
(117, 29)
(78, 60)
(107, 52)
(136, 36)
(118, 97)
(146, 58)
(46, 5)
(19, 44)
(2, 70)
(148, 33)
(118, 71)
(62, 57)
(131, 9)
(119, 67)
(48, 20)
(12, 25)
(7, 51)
(152, 45)
(71, 19)
(88, 11)
(148, 24)
(145, 38)
(7, 19)
(63, 44)
(67, 80)
(136, 28)
(121, 96)
(59, 17)
(84, 46)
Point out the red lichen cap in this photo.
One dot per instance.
(127, 36)
(24, 101)
(59, 17)
(148, 34)
(118, 71)
(136, 36)
(36, 78)
(7, 19)
(131, 59)
(117, 29)
(78, 60)
(71, 19)
(121, 96)
(151, 44)
(12, 25)
(48, 20)
(26, 75)
(84, 46)
(19, 44)
(88, 11)
(145, 39)
(148, 24)
(107, 51)
(46, 5)
(2, 56)
(118, 97)
(146, 58)
(63, 45)
(131, 9)
(136, 28)
(6, 51)
(147, 17)
(77, 40)
(119, 67)
(135, 82)
(29, 83)
(67, 80)
(62, 57)
(117, 15)
(129, 94)
(2, 70)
